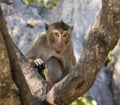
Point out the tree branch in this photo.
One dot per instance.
(17, 74)
(5, 78)
(102, 38)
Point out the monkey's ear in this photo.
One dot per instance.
(46, 26)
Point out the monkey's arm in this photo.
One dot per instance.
(38, 49)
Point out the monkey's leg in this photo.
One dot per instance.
(55, 69)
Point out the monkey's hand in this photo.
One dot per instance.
(39, 64)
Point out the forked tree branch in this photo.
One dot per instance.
(103, 35)
(102, 38)
(15, 67)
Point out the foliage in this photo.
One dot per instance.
(112, 53)
(85, 100)
(42, 3)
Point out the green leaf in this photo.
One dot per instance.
(94, 102)
(29, 2)
(50, 6)
(56, 1)
(78, 102)
(46, 1)
(26, 2)
(85, 100)
(89, 98)
(40, 2)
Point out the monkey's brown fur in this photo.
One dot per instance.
(55, 48)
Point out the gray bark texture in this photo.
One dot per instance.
(7, 97)
(102, 37)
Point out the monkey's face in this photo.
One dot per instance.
(59, 34)
(60, 40)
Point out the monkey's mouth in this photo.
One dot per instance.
(58, 50)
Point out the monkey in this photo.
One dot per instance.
(54, 47)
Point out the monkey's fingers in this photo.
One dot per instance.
(38, 62)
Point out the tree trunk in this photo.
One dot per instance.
(16, 69)
(101, 39)
(7, 97)
(19, 65)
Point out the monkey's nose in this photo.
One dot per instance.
(60, 46)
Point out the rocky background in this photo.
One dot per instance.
(27, 22)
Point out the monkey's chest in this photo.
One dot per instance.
(46, 56)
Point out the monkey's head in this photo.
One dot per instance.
(59, 35)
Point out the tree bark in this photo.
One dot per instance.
(19, 65)
(7, 97)
(101, 39)
(16, 69)
(5, 78)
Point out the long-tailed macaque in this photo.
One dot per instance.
(55, 48)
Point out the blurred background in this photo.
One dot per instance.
(25, 23)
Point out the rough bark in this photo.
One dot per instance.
(20, 65)
(102, 38)
(6, 95)
(16, 69)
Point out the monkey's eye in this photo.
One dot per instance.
(65, 35)
(55, 34)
